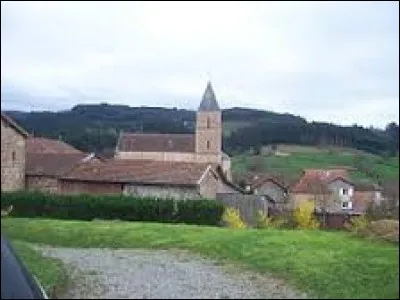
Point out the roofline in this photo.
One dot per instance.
(126, 182)
(270, 179)
(209, 168)
(343, 179)
(230, 183)
(13, 124)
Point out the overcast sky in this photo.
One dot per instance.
(326, 61)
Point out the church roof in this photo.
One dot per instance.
(155, 142)
(209, 102)
(45, 145)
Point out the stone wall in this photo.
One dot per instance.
(13, 155)
(170, 156)
(42, 183)
(81, 187)
(273, 190)
(163, 192)
(209, 185)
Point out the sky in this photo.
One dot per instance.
(325, 61)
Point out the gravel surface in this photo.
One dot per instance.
(160, 274)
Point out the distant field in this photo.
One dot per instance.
(324, 264)
(313, 157)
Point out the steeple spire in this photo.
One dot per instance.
(209, 102)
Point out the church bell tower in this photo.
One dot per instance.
(209, 124)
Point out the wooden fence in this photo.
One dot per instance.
(247, 205)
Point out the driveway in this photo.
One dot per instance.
(160, 274)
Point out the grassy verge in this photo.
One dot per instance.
(49, 271)
(328, 264)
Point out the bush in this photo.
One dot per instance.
(262, 220)
(126, 208)
(358, 225)
(231, 218)
(385, 229)
(304, 215)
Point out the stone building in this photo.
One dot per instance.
(13, 153)
(143, 178)
(47, 160)
(204, 146)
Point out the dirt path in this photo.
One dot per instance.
(160, 274)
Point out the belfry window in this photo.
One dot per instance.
(208, 122)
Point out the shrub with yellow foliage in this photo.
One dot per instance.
(262, 220)
(231, 218)
(304, 215)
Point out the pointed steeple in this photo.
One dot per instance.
(209, 102)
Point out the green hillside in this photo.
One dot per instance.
(289, 161)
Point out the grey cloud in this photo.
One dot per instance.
(305, 58)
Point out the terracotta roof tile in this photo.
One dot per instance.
(45, 145)
(13, 124)
(155, 142)
(315, 180)
(139, 171)
(51, 164)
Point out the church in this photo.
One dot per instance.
(174, 166)
(204, 146)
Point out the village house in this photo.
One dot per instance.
(204, 146)
(47, 160)
(332, 191)
(270, 188)
(13, 148)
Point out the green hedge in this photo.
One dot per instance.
(89, 207)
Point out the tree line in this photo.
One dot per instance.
(96, 127)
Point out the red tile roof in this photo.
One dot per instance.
(314, 180)
(52, 164)
(10, 122)
(139, 171)
(155, 142)
(45, 145)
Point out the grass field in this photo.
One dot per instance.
(325, 264)
(49, 271)
(304, 157)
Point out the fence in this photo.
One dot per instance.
(247, 205)
(335, 220)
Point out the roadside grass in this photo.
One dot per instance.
(321, 263)
(49, 271)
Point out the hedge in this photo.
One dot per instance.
(127, 208)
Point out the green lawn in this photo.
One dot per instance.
(327, 264)
(49, 271)
(291, 166)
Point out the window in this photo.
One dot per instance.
(208, 122)
(14, 156)
(345, 192)
(208, 145)
(347, 205)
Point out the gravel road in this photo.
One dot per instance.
(160, 274)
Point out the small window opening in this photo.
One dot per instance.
(208, 145)
(14, 156)
(208, 122)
